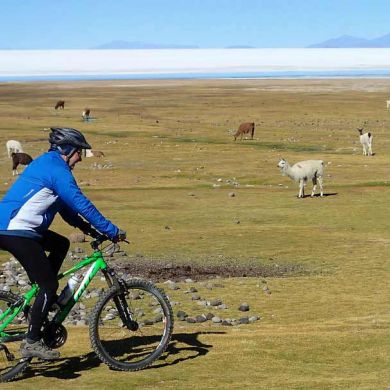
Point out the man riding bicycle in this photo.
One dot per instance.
(47, 186)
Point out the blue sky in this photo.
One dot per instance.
(78, 24)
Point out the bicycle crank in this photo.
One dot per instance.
(54, 335)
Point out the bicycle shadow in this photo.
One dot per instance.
(72, 367)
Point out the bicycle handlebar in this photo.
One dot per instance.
(100, 239)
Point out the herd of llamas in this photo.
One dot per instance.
(19, 157)
(301, 172)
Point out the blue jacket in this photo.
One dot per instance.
(47, 186)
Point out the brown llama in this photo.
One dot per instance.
(245, 128)
(60, 104)
(19, 158)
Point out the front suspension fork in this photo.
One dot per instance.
(120, 299)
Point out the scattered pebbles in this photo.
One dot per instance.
(13, 277)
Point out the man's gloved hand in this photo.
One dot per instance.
(121, 236)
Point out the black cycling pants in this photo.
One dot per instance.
(41, 269)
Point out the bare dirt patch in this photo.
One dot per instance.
(162, 269)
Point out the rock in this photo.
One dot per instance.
(244, 307)
(173, 286)
(135, 295)
(216, 302)
(191, 320)
(244, 320)
(223, 306)
(253, 319)
(195, 297)
(209, 316)
(11, 282)
(76, 237)
(181, 315)
(216, 320)
(201, 318)
(232, 194)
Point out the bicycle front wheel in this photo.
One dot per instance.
(11, 362)
(131, 348)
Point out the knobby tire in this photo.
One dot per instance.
(111, 340)
(11, 370)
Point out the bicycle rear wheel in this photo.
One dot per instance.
(131, 347)
(11, 362)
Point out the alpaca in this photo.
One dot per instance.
(304, 171)
(13, 147)
(366, 141)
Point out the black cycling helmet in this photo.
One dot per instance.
(61, 136)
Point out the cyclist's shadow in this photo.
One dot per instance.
(72, 367)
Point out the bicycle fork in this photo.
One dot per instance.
(124, 311)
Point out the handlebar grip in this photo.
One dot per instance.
(98, 241)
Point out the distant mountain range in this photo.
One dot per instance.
(140, 45)
(347, 41)
(344, 41)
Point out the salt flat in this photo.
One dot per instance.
(152, 62)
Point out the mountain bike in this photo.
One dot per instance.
(130, 325)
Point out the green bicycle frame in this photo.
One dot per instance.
(98, 264)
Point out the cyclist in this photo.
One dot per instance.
(47, 186)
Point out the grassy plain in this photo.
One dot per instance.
(174, 164)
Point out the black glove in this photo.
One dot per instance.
(121, 236)
(89, 230)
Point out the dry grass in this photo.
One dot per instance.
(170, 143)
